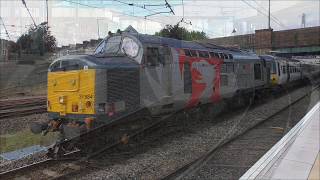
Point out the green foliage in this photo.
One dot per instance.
(181, 33)
(24, 138)
(37, 40)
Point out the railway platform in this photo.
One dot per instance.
(295, 156)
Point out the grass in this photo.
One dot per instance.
(25, 138)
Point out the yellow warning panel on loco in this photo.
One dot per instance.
(274, 79)
(71, 92)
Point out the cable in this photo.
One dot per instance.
(275, 18)
(260, 12)
(5, 28)
(25, 5)
(139, 17)
(182, 19)
(167, 5)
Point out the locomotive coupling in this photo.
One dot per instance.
(45, 127)
(38, 128)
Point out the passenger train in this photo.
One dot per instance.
(130, 71)
(283, 70)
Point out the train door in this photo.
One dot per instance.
(268, 68)
(165, 68)
(288, 71)
(157, 82)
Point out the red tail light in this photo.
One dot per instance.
(88, 104)
(75, 108)
(111, 109)
(48, 105)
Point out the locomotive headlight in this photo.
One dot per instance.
(62, 99)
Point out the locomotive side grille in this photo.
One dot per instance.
(123, 85)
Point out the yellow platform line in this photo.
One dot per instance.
(315, 174)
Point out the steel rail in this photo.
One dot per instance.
(28, 168)
(179, 171)
(24, 111)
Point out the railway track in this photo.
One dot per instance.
(67, 168)
(52, 168)
(22, 107)
(196, 168)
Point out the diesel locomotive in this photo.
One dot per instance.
(129, 72)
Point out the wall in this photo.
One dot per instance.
(266, 40)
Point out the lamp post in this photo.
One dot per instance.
(98, 29)
(269, 23)
(99, 26)
(47, 11)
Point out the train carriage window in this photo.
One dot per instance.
(203, 54)
(225, 56)
(230, 67)
(257, 72)
(223, 68)
(193, 53)
(152, 56)
(214, 55)
(224, 80)
(283, 69)
(187, 52)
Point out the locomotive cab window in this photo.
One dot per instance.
(101, 47)
(66, 66)
(152, 56)
(165, 55)
(129, 47)
(55, 66)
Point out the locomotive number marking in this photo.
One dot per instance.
(87, 96)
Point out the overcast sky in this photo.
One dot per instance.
(73, 21)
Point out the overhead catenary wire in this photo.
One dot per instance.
(5, 28)
(138, 17)
(25, 5)
(250, 5)
(167, 5)
(182, 19)
(272, 16)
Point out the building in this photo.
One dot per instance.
(294, 42)
(4, 50)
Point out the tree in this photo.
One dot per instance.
(37, 40)
(181, 33)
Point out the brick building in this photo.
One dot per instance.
(4, 50)
(304, 41)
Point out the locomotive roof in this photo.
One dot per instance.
(176, 43)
